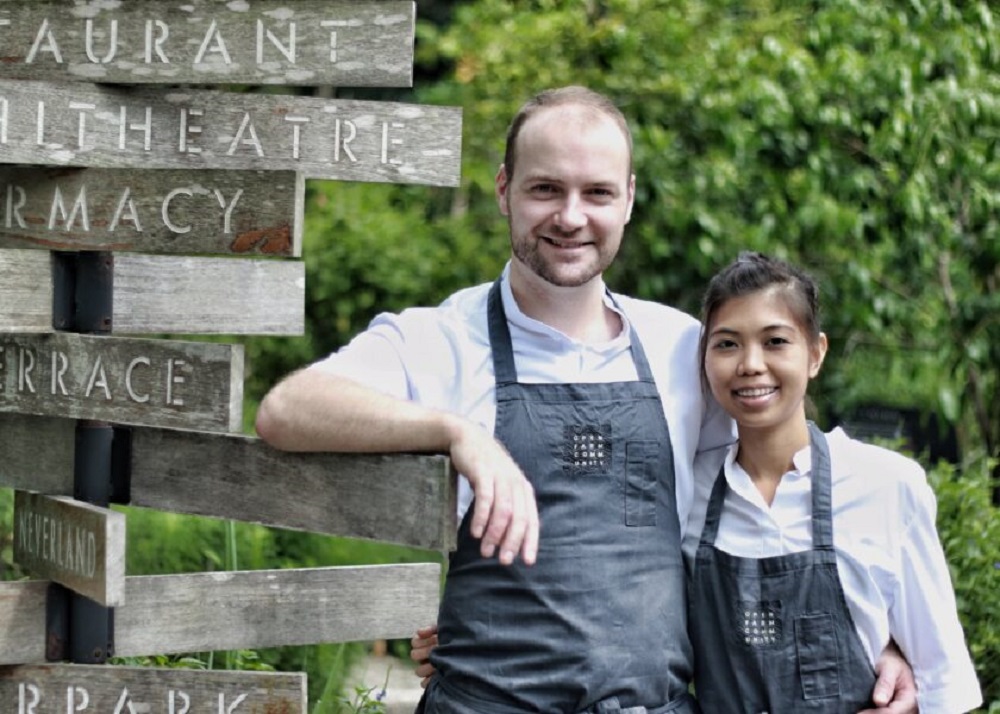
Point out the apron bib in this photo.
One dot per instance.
(775, 634)
(598, 623)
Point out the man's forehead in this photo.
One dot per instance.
(577, 115)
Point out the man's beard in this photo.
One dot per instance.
(559, 274)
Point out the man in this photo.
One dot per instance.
(539, 389)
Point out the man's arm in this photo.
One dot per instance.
(896, 690)
(311, 410)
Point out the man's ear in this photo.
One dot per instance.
(631, 198)
(500, 185)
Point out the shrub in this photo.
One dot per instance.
(969, 526)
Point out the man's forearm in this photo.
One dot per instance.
(313, 411)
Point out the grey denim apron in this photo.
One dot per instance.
(775, 634)
(597, 625)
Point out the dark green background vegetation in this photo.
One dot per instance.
(860, 139)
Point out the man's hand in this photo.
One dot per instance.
(504, 514)
(421, 645)
(896, 690)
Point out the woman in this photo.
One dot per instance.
(806, 552)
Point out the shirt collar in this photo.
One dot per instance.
(519, 319)
(740, 482)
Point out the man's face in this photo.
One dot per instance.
(570, 196)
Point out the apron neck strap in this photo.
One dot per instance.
(822, 490)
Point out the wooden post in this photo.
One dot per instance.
(122, 216)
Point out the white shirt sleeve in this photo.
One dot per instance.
(923, 617)
(374, 358)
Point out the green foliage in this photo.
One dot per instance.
(164, 543)
(363, 700)
(969, 527)
(859, 139)
(8, 571)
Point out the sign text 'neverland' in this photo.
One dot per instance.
(76, 544)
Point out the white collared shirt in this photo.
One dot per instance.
(891, 563)
(440, 357)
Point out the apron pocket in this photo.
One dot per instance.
(640, 483)
(816, 646)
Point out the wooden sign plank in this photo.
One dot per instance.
(61, 688)
(305, 42)
(167, 294)
(123, 380)
(36, 453)
(65, 124)
(208, 295)
(75, 544)
(25, 291)
(396, 498)
(169, 614)
(149, 211)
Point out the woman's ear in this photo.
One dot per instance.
(817, 353)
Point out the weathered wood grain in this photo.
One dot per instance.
(397, 498)
(75, 544)
(25, 291)
(22, 621)
(208, 295)
(58, 688)
(152, 211)
(66, 124)
(198, 385)
(36, 453)
(165, 614)
(167, 294)
(305, 42)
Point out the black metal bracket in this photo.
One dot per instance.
(77, 628)
(83, 291)
(56, 622)
(92, 462)
(121, 465)
(91, 631)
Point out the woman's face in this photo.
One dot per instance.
(759, 360)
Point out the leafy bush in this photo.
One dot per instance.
(969, 526)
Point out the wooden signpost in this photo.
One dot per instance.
(117, 199)
(76, 544)
(63, 689)
(155, 294)
(303, 42)
(71, 124)
(169, 211)
(130, 381)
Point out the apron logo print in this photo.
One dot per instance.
(759, 623)
(588, 448)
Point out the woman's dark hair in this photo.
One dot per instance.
(752, 272)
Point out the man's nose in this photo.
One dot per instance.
(571, 215)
